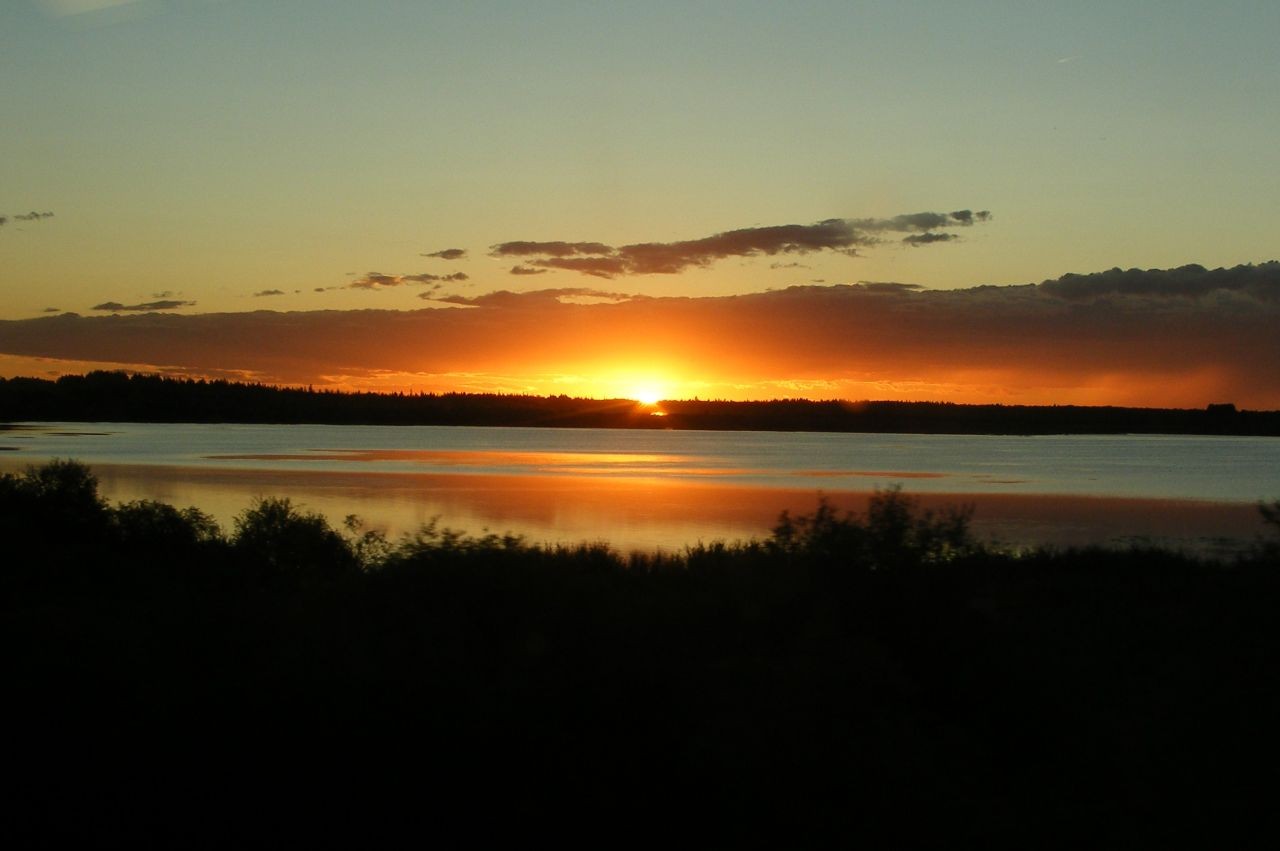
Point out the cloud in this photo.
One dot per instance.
(1127, 338)
(846, 236)
(33, 216)
(448, 254)
(928, 238)
(549, 249)
(888, 287)
(377, 280)
(1260, 282)
(52, 310)
(598, 267)
(525, 270)
(968, 217)
(163, 304)
(561, 295)
(262, 293)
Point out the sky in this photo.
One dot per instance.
(730, 200)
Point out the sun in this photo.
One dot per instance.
(647, 394)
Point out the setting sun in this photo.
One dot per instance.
(647, 394)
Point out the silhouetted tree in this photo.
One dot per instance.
(151, 523)
(292, 544)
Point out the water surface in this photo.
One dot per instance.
(647, 488)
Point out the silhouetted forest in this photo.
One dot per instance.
(117, 397)
(872, 677)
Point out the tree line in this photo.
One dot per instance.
(120, 397)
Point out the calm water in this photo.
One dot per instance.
(670, 488)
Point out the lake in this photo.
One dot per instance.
(651, 489)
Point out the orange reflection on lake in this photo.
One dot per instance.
(652, 512)
(473, 458)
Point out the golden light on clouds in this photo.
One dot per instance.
(1178, 338)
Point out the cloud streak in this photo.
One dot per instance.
(448, 253)
(379, 281)
(33, 216)
(846, 236)
(162, 304)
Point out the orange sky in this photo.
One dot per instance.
(1179, 338)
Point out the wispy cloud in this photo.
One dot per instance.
(928, 238)
(33, 216)
(846, 236)
(378, 281)
(519, 248)
(263, 293)
(162, 304)
(448, 253)
(560, 295)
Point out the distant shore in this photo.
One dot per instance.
(118, 397)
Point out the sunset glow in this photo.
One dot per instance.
(647, 394)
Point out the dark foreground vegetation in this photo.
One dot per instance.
(118, 397)
(878, 677)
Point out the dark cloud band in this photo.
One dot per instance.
(162, 304)
(665, 258)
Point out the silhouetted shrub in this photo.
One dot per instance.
(58, 489)
(151, 523)
(53, 523)
(293, 544)
(894, 533)
(432, 539)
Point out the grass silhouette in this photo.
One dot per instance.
(873, 677)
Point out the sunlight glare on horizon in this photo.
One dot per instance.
(648, 394)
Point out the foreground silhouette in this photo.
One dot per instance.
(851, 677)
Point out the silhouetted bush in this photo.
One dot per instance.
(292, 544)
(54, 526)
(58, 493)
(150, 523)
(893, 533)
